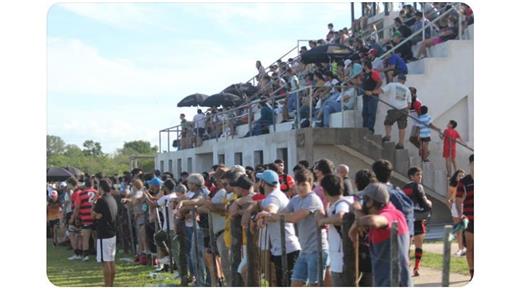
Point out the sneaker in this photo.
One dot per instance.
(460, 253)
(74, 257)
(84, 259)
(416, 273)
(386, 139)
(399, 147)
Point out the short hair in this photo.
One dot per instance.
(304, 175)
(272, 167)
(398, 20)
(383, 170)
(89, 181)
(471, 158)
(325, 166)
(72, 181)
(363, 178)
(199, 111)
(453, 178)
(332, 185)
(424, 110)
(453, 124)
(181, 188)
(196, 178)
(298, 167)
(330, 24)
(231, 176)
(304, 163)
(169, 184)
(413, 170)
(278, 161)
(259, 168)
(184, 173)
(418, 14)
(105, 185)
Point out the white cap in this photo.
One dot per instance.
(347, 62)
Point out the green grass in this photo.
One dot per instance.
(434, 261)
(62, 272)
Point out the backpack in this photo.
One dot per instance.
(338, 228)
(404, 204)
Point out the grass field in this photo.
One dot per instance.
(434, 261)
(62, 272)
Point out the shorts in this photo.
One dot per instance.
(454, 212)
(306, 267)
(106, 250)
(399, 116)
(470, 229)
(449, 152)
(425, 139)
(67, 217)
(53, 223)
(243, 262)
(87, 227)
(436, 40)
(419, 227)
(139, 220)
(72, 229)
(277, 261)
(199, 132)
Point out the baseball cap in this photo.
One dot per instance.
(156, 181)
(54, 195)
(270, 177)
(63, 184)
(376, 191)
(347, 62)
(356, 70)
(397, 34)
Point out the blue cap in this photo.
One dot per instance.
(356, 70)
(270, 177)
(156, 181)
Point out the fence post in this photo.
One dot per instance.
(298, 118)
(275, 116)
(319, 249)
(394, 257)
(342, 108)
(168, 235)
(446, 257)
(252, 263)
(387, 12)
(160, 145)
(131, 229)
(349, 251)
(285, 272)
(352, 15)
(195, 248)
(249, 120)
(460, 23)
(169, 144)
(212, 244)
(422, 24)
(183, 262)
(236, 248)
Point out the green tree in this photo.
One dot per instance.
(92, 148)
(138, 147)
(55, 145)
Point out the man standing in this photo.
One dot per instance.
(73, 220)
(83, 210)
(378, 215)
(371, 83)
(105, 213)
(342, 170)
(400, 98)
(286, 181)
(464, 203)
(199, 122)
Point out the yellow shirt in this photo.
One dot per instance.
(227, 223)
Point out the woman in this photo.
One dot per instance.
(260, 68)
(452, 192)
(448, 33)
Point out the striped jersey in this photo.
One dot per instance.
(424, 125)
(85, 202)
(465, 190)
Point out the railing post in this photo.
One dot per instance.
(310, 107)
(374, 8)
(252, 250)
(350, 253)
(285, 272)
(212, 244)
(131, 229)
(160, 145)
(195, 249)
(342, 108)
(422, 24)
(169, 144)
(183, 250)
(236, 248)
(387, 12)
(274, 115)
(352, 14)
(394, 257)
(319, 249)
(249, 120)
(168, 235)
(460, 23)
(298, 118)
(446, 259)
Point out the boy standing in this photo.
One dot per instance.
(425, 124)
(450, 136)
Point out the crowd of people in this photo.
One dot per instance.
(216, 224)
(308, 94)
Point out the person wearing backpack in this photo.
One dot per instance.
(422, 211)
(383, 171)
(339, 205)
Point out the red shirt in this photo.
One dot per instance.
(74, 197)
(258, 196)
(391, 214)
(416, 106)
(85, 202)
(465, 190)
(286, 182)
(450, 137)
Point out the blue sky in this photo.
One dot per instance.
(117, 71)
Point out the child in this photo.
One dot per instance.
(425, 124)
(53, 215)
(450, 136)
(415, 109)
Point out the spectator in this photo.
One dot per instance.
(322, 168)
(420, 23)
(452, 193)
(260, 68)
(294, 84)
(136, 199)
(449, 152)
(105, 213)
(378, 216)
(83, 210)
(300, 211)
(330, 35)
(74, 224)
(286, 181)
(415, 110)
(447, 33)
(405, 50)
(167, 200)
(377, 63)
(342, 170)
(422, 211)
(399, 97)
(464, 203)
(199, 121)
(261, 126)
(339, 205)
(425, 125)
(371, 83)
(53, 215)
(394, 65)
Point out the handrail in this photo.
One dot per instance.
(415, 33)
(267, 69)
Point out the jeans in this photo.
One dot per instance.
(369, 112)
(189, 234)
(291, 102)
(329, 108)
(197, 258)
(306, 267)
(260, 126)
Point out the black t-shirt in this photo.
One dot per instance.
(405, 31)
(106, 226)
(417, 194)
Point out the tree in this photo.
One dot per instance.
(138, 147)
(92, 148)
(55, 145)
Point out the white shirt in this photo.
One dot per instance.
(199, 121)
(397, 95)
(218, 220)
(163, 202)
(342, 205)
